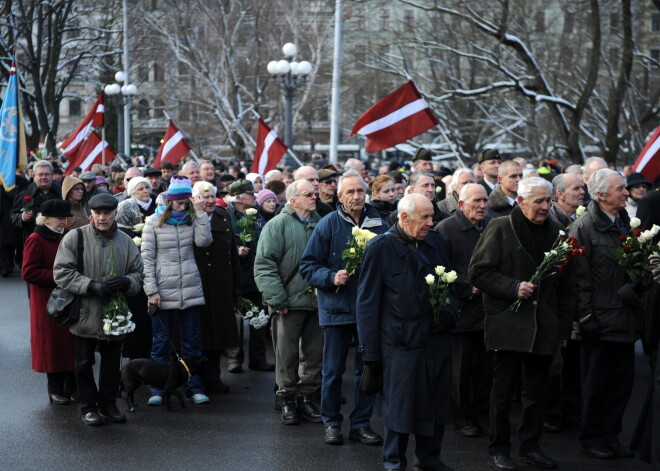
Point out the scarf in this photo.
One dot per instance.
(144, 206)
(176, 218)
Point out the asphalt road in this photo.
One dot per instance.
(235, 432)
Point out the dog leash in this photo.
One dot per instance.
(178, 358)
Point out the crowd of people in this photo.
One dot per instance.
(182, 248)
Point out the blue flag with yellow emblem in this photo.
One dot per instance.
(13, 153)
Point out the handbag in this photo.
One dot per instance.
(63, 306)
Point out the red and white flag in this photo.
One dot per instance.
(173, 148)
(648, 162)
(270, 150)
(396, 118)
(90, 153)
(71, 144)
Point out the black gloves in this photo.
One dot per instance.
(589, 329)
(443, 325)
(372, 378)
(100, 289)
(630, 294)
(119, 283)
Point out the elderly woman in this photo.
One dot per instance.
(267, 204)
(172, 281)
(139, 191)
(73, 191)
(382, 195)
(256, 180)
(220, 271)
(52, 344)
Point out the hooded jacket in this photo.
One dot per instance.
(80, 209)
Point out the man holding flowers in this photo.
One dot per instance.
(404, 332)
(609, 322)
(331, 264)
(524, 321)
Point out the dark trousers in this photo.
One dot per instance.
(608, 372)
(472, 378)
(512, 368)
(564, 396)
(62, 383)
(427, 448)
(91, 398)
(7, 256)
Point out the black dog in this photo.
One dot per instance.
(167, 376)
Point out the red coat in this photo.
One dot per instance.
(52, 344)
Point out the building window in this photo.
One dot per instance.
(75, 107)
(409, 20)
(655, 22)
(159, 108)
(143, 73)
(383, 19)
(143, 109)
(655, 55)
(159, 73)
(540, 21)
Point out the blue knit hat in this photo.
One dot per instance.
(179, 189)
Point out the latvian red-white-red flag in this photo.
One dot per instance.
(70, 146)
(648, 162)
(173, 148)
(396, 118)
(270, 150)
(90, 153)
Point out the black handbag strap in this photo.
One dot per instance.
(79, 259)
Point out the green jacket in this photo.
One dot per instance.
(281, 245)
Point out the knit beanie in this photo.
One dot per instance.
(128, 213)
(179, 189)
(263, 195)
(134, 182)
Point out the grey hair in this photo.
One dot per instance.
(42, 163)
(203, 162)
(292, 190)
(574, 169)
(527, 186)
(591, 160)
(416, 176)
(40, 220)
(202, 187)
(188, 165)
(407, 204)
(505, 166)
(559, 182)
(454, 178)
(600, 182)
(463, 195)
(269, 174)
(350, 174)
(351, 164)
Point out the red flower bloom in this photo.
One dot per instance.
(626, 249)
(637, 232)
(27, 198)
(560, 267)
(623, 237)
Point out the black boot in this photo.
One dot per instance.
(289, 411)
(308, 410)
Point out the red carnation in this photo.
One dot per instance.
(560, 267)
(623, 237)
(626, 249)
(637, 232)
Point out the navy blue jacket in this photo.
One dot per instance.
(322, 260)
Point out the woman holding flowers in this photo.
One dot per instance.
(172, 281)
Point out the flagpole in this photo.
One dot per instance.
(335, 103)
(103, 144)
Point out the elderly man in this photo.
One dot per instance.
(503, 198)
(296, 331)
(242, 198)
(472, 366)
(106, 250)
(154, 176)
(191, 170)
(323, 267)
(328, 179)
(524, 339)
(400, 339)
(569, 195)
(591, 166)
(421, 161)
(273, 176)
(609, 323)
(357, 165)
(131, 172)
(423, 183)
(91, 189)
(207, 172)
(312, 176)
(489, 163)
(461, 177)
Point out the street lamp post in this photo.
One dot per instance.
(121, 95)
(291, 75)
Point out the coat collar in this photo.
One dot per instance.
(497, 200)
(464, 223)
(602, 223)
(519, 225)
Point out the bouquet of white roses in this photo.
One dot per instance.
(356, 244)
(247, 310)
(247, 224)
(633, 255)
(439, 288)
(116, 316)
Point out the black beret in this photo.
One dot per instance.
(103, 201)
(488, 154)
(422, 154)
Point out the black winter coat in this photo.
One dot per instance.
(503, 259)
(498, 204)
(54, 193)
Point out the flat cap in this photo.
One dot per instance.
(240, 186)
(87, 176)
(325, 173)
(151, 172)
(116, 168)
(488, 154)
(422, 154)
(103, 201)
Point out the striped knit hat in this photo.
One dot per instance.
(179, 189)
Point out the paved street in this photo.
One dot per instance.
(237, 431)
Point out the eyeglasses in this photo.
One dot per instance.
(329, 181)
(308, 194)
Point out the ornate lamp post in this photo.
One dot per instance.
(291, 75)
(121, 96)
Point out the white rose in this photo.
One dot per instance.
(562, 233)
(137, 240)
(634, 223)
(250, 211)
(655, 229)
(355, 231)
(138, 227)
(430, 279)
(450, 277)
(580, 210)
(644, 237)
(439, 270)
